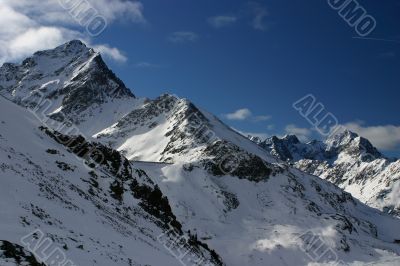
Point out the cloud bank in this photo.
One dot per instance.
(32, 25)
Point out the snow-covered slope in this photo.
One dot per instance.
(347, 160)
(103, 215)
(247, 223)
(223, 191)
(265, 223)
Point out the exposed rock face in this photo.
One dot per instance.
(11, 253)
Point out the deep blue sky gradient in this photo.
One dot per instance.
(307, 48)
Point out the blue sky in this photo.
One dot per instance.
(254, 59)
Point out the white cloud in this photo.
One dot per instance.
(110, 52)
(57, 11)
(31, 25)
(34, 39)
(246, 114)
(241, 114)
(385, 137)
(302, 133)
(183, 36)
(117, 9)
(394, 196)
(283, 236)
(259, 14)
(221, 21)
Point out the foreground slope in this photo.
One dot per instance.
(97, 215)
(277, 221)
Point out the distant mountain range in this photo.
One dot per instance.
(112, 179)
(347, 160)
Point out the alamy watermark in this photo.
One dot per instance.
(318, 250)
(85, 15)
(355, 15)
(45, 250)
(317, 115)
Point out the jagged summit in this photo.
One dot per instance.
(74, 44)
(64, 64)
(290, 148)
(73, 77)
(353, 144)
(341, 138)
(75, 47)
(291, 138)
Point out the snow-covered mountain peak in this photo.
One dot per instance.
(70, 49)
(70, 79)
(340, 139)
(353, 145)
(291, 138)
(66, 63)
(52, 61)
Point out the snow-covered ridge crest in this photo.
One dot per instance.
(171, 130)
